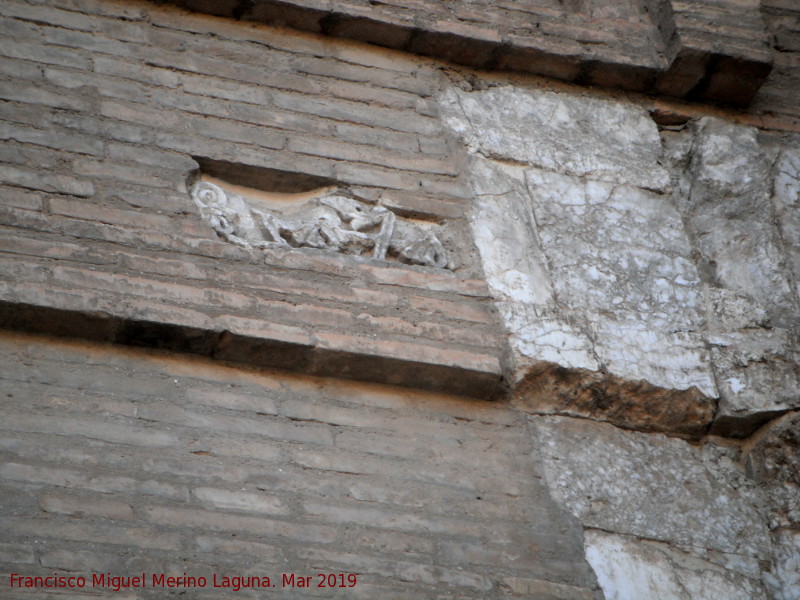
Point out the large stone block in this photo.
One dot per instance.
(732, 221)
(753, 311)
(653, 487)
(774, 461)
(632, 569)
(621, 263)
(596, 278)
(656, 304)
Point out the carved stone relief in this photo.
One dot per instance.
(331, 221)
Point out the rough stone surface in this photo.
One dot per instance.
(758, 377)
(774, 462)
(635, 299)
(753, 306)
(632, 569)
(732, 221)
(682, 495)
(786, 196)
(784, 582)
(683, 282)
(589, 274)
(637, 405)
(618, 141)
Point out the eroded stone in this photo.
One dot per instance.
(732, 221)
(784, 581)
(758, 377)
(688, 293)
(774, 461)
(611, 141)
(752, 307)
(652, 486)
(631, 569)
(555, 390)
(786, 197)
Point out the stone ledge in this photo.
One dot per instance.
(549, 389)
(440, 371)
(652, 48)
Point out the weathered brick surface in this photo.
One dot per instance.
(122, 461)
(102, 119)
(717, 51)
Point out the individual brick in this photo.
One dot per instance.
(52, 139)
(61, 184)
(79, 506)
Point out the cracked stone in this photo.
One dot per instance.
(732, 220)
(652, 486)
(609, 140)
(576, 293)
(631, 569)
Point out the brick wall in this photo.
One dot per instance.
(102, 116)
(709, 51)
(192, 456)
(126, 461)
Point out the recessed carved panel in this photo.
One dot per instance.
(331, 221)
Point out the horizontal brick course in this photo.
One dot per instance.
(124, 30)
(77, 506)
(136, 204)
(151, 538)
(399, 498)
(54, 55)
(60, 184)
(52, 139)
(634, 49)
(39, 95)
